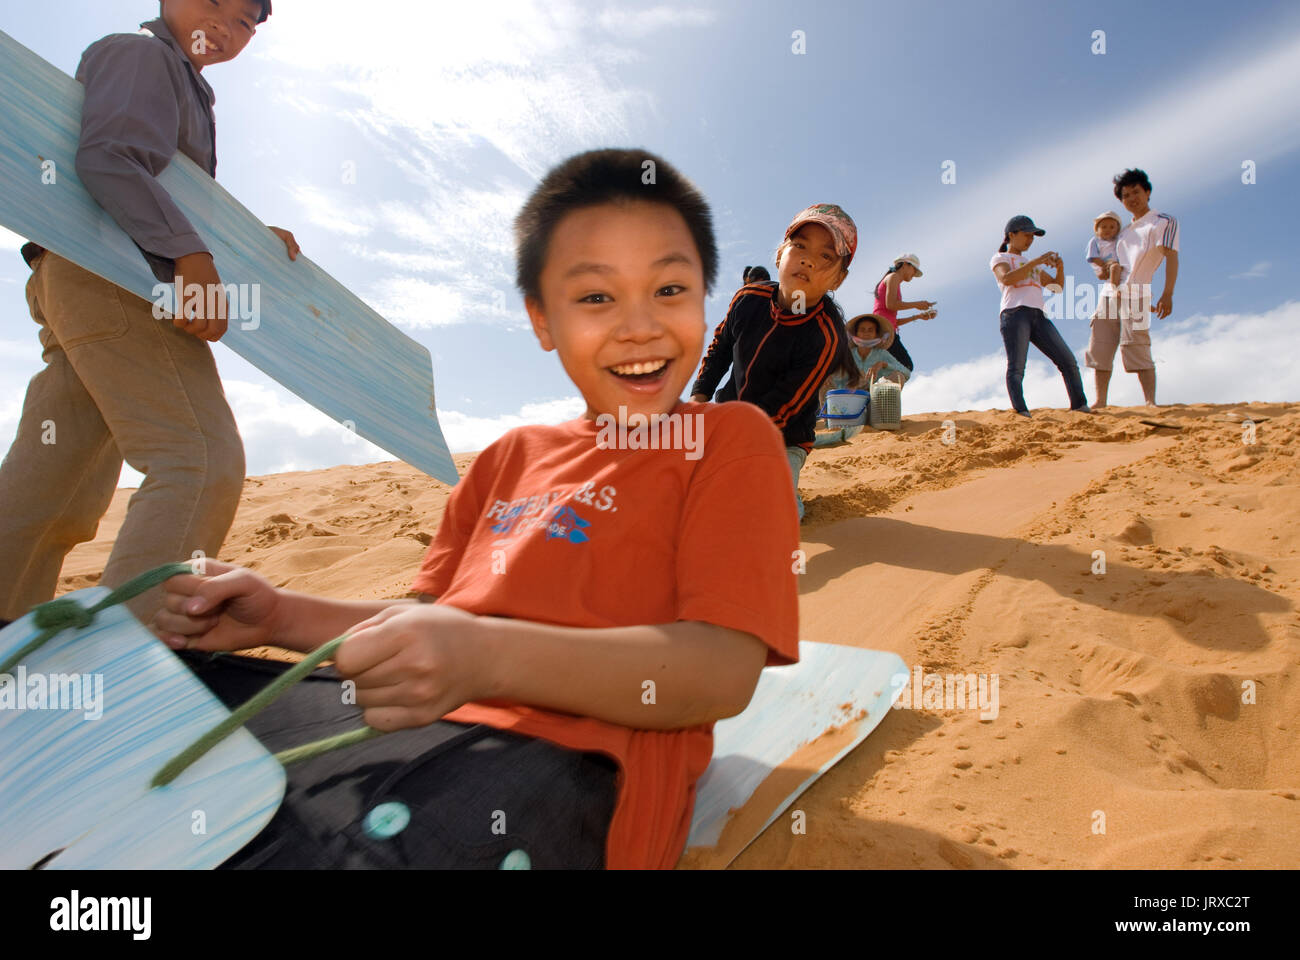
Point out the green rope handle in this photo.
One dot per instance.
(257, 703)
(317, 747)
(58, 615)
(260, 700)
(66, 613)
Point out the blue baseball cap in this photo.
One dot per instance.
(1019, 223)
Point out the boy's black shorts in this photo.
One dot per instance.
(473, 794)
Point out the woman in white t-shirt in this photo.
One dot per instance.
(1022, 319)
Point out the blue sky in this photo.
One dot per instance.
(450, 113)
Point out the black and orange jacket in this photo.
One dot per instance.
(778, 360)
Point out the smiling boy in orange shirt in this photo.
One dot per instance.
(595, 602)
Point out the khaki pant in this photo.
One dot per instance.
(1112, 326)
(117, 384)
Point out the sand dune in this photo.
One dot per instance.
(1124, 696)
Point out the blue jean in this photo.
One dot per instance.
(796, 456)
(1022, 326)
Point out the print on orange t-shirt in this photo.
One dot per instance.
(548, 526)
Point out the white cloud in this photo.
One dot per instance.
(1218, 358)
(1226, 358)
(977, 384)
(406, 262)
(469, 254)
(283, 433)
(626, 21)
(469, 110)
(10, 349)
(417, 303)
(10, 240)
(474, 223)
(525, 79)
(1256, 272)
(1062, 181)
(327, 213)
(465, 432)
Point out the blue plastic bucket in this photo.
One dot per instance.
(844, 405)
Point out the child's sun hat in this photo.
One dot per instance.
(852, 325)
(1108, 215)
(833, 218)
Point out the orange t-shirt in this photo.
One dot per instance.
(589, 535)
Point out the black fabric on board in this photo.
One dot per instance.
(462, 785)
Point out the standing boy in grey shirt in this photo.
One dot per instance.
(118, 383)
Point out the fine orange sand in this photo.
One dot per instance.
(1124, 696)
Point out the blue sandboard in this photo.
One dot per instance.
(830, 688)
(77, 782)
(313, 336)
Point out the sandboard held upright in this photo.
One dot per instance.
(312, 335)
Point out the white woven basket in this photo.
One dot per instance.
(886, 408)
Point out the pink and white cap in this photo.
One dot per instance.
(833, 218)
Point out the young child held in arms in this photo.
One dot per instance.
(1101, 248)
(553, 692)
(1102, 254)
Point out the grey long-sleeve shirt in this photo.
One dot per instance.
(144, 102)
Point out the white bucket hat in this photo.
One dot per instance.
(911, 258)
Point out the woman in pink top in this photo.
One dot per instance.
(889, 301)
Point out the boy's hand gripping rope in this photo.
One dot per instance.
(65, 613)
